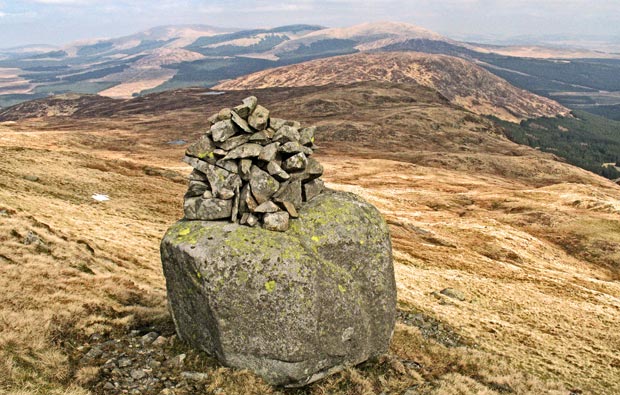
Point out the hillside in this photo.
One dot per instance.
(460, 81)
(528, 244)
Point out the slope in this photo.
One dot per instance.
(528, 243)
(460, 81)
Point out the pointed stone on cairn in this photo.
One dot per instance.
(252, 169)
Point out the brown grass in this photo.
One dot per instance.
(532, 243)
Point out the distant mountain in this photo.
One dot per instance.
(170, 57)
(460, 81)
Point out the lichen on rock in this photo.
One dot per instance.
(292, 306)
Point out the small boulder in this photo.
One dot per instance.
(295, 162)
(222, 130)
(259, 118)
(276, 221)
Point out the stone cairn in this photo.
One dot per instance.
(252, 169)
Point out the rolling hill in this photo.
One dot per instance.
(460, 81)
(171, 57)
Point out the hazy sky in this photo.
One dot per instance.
(62, 21)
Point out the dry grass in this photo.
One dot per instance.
(535, 256)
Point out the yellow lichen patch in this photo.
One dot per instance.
(342, 288)
(270, 286)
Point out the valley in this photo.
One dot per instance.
(172, 57)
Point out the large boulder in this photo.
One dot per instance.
(292, 306)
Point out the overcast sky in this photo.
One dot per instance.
(62, 21)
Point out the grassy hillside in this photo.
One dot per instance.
(532, 244)
(585, 140)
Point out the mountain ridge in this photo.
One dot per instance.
(203, 55)
(462, 82)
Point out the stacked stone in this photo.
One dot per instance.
(252, 169)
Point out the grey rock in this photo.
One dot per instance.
(275, 170)
(234, 142)
(244, 169)
(32, 238)
(269, 152)
(194, 376)
(31, 177)
(225, 194)
(259, 118)
(220, 152)
(137, 374)
(196, 188)
(247, 203)
(276, 221)
(252, 220)
(220, 178)
(314, 168)
(453, 293)
(222, 130)
(290, 209)
(285, 134)
(124, 362)
(263, 186)
(160, 341)
(293, 147)
(196, 175)
(245, 109)
(93, 353)
(267, 207)
(312, 189)
(276, 123)
(197, 164)
(306, 136)
(295, 162)
(230, 165)
(177, 361)
(198, 208)
(261, 137)
(290, 192)
(249, 219)
(281, 303)
(108, 386)
(248, 150)
(235, 207)
(241, 123)
(207, 195)
(149, 338)
(202, 149)
(224, 114)
(213, 119)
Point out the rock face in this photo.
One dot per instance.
(295, 305)
(243, 159)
